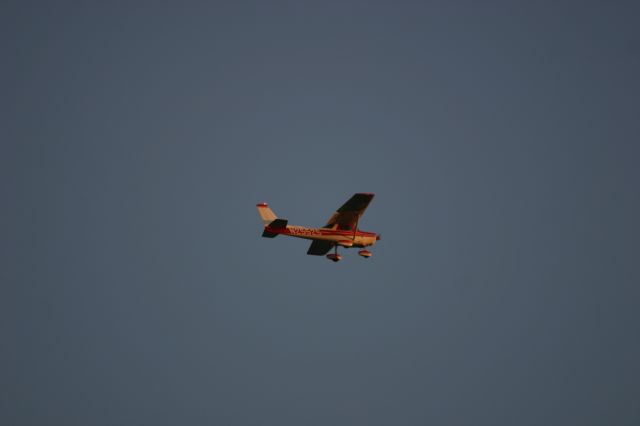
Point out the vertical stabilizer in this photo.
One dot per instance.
(266, 213)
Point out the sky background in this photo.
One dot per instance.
(501, 140)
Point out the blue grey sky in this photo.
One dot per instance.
(501, 139)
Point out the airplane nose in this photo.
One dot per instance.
(378, 237)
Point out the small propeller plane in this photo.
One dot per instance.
(341, 230)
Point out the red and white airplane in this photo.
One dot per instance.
(341, 230)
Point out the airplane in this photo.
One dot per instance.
(341, 230)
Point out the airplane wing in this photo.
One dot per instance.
(347, 215)
(320, 248)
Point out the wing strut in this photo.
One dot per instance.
(355, 228)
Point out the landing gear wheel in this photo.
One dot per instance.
(334, 256)
(365, 253)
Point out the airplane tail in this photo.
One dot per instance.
(266, 213)
(270, 219)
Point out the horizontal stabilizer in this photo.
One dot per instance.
(278, 224)
(267, 234)
(274, 225)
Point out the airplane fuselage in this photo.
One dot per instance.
(344, 238)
